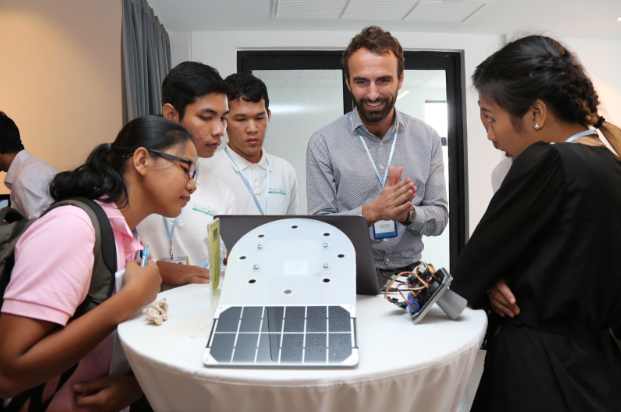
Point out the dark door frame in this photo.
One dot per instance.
(450, 62)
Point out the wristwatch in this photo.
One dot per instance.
(410, 219)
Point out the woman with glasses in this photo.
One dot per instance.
(150, 168)
(553, 232)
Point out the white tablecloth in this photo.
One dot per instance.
(403, 367)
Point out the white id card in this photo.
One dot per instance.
(180, 260)
(383, 229)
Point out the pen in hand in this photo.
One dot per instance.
(145, 256)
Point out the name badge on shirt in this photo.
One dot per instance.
(179, 260)
(383, 229)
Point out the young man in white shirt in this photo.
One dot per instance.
(194, 95)
(27, 177)
(262, 183)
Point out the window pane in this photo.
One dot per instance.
(301, 101)
(436, 116)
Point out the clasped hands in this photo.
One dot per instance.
(394, 201)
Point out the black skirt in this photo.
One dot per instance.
(553, 232)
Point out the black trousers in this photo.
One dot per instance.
(141, 405)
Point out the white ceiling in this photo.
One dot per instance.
(565, 18)
(361, 10)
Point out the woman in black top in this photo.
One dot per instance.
(553, 232)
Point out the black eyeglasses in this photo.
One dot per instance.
(190, 170)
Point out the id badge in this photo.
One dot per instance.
(180, 260)
(383, 229)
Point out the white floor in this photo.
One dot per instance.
(473, 383)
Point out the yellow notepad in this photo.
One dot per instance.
(213, 230)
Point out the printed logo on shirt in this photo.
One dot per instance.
(277, 191)
(205, 210)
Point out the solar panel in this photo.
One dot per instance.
(283, 336)
(288, 299)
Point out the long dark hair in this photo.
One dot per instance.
(540, 68)
(102, 176)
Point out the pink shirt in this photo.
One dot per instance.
(51, 277)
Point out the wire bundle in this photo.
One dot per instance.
(414, 283)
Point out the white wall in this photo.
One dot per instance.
(60, 75)
(219, 49)
(180, 47)
(602, 60)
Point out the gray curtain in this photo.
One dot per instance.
(146, 60)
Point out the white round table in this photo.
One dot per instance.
(403, 367)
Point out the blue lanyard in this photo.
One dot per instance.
(170, 234)
(267, 181)
(392, 151)
(581, 134)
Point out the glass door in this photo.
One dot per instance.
(301, 102)
(423, 96)
(307, 91)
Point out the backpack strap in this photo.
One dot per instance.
(104, 251)
(36, 402)
(36, 394)
(101, 287)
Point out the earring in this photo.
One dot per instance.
(536, 126)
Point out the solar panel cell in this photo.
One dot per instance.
(222, 347)
(251, 320)
(229, 320)
(245, 348)
(301, 336)
(269, 346)
(316, 319)
(275, 316)
(292, 349)
(294, 318)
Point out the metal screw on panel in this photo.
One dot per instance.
(260, 246)
(255, 266)
(325, 265)
(325, 245)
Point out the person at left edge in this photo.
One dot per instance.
(195, 96)
(149, 168)
(262, 183)
(27, 177)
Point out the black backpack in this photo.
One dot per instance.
(101, 287)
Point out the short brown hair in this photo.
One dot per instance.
(378, 41)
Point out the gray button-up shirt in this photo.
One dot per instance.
(340, 179)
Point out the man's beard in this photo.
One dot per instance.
(375, 116)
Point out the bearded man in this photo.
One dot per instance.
(349, 162)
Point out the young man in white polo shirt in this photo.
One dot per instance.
(262, 183)
(27, 177)
(195, 96)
